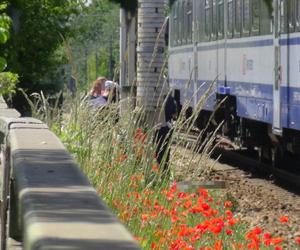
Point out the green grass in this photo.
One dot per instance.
(118, 156)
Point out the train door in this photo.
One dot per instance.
(278, 13)
(221, 42)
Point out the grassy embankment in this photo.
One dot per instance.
(118, 156)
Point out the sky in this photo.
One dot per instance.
(88, 2)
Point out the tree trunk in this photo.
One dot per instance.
(150, 57)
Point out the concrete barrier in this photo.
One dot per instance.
(53, 206)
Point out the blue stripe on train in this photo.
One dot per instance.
(254, 101)
(235, 45)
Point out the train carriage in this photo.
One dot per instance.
(251, 54)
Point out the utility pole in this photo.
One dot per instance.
(150, 58)
(111, 63)
(127, 78)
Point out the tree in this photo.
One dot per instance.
(4, 32)
(7, 80)
(37, 31)
(93, 49)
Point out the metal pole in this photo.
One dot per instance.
(111, 70)
(122, 78)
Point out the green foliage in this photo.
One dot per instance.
(8, 82)
(38, 27)
(4, 32)
(3, 64)
(95, 43)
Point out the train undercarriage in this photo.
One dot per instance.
(255, 136)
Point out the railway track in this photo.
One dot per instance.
(241, 158)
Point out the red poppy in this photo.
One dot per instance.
(228, 204)
(229, 232)
(276, 241)
(144, 217)
(283, 219)
(219, 245)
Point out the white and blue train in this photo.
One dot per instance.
(251, 53)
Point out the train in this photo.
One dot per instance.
(247, 54)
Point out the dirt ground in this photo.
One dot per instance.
(259, 201)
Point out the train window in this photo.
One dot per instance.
(189, 21)
(255, 16)
(180, 23)
(265, 19)
(208, 19)
(200, 6)
(291, 15)
(214, 20)
(220, 19)
(246, 17)
(184, 19)
(230, 19)
(297, 14)
(173, 25)
(237, 19)
(283, 16)
(177, 24)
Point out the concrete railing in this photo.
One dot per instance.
(51, 204)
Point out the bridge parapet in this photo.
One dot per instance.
(53, 206)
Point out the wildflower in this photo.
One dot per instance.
(267, 236)
(237, 245)
(227, 204)
(144, 217)
(218, 245)
(182, 195)
(233, 221)
(205, 206)
(174, 218)
(203, 192)
(185, 231)
(229, 214)
(229, 232)
(267, 239)
(187, 204)
(154, 168)
(254, 244)
(153, 245)
(257, 230)
(216, 229)
(283, 219)
(276, 241)
(297, 240)
(121, 158)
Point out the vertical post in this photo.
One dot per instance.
(122, 77)
(150, 57)
(127, 60)
(96, 63)
(132, 51)
(111, 64)
(86, 76)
